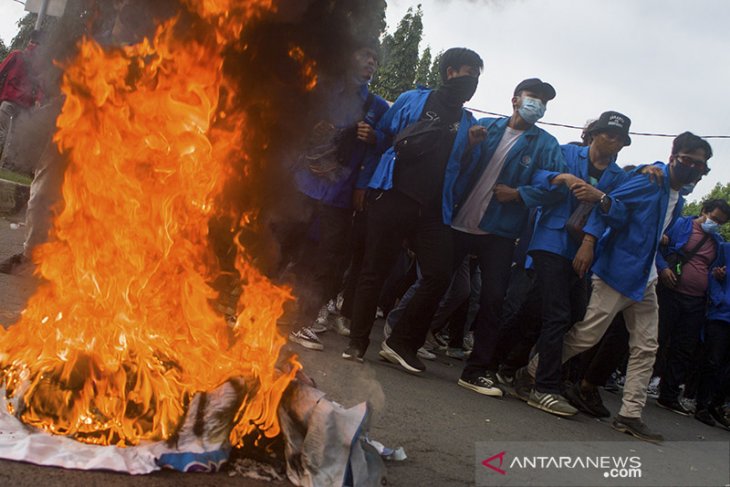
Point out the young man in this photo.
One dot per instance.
(684, 268)
(592, 171)
(628, 224)
(508, 174)
(407, 195)
(329, 177)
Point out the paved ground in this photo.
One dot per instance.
(437, 422)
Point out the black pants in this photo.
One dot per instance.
(607, 356)
(715, 376)
(564, 300)
(681, 318)
(393, 217)
(494, 255)
(357, 253)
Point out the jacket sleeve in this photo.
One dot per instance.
(540, 192)
(390, 124)
(373, 153)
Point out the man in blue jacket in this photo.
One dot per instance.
(684, 265)
(592, 171)
(489, 207)
(406, 202)
(327, 176)
(628, 224)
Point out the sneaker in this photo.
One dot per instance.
(14, 264)
(505, 379)
(457, 353)
(338, 302)
(432, 343)
(551, 403)
(306, 338)
(704, 416)
(332, 307)
(469, 341)
(354, 353)
(320, 324)
(342, 326)
(486, 384)
(387, 330)
(589, 401)
(653, 389)
(688, 404)
(719, 416)
(620, 381)
(523, 384)
(672, 405)
(379, 313)
(611, 385)
(403, 357)
(425, 354)
(635, 427)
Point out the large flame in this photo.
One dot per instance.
(122, 333)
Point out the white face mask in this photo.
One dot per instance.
(531, 109)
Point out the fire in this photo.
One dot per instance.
(122, 333)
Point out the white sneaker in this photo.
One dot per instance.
(425, 354)
(332, 307)
(306, 338)
(338, 302)
(653, 389)
(387, 330)
(342, 326)
(320, 324)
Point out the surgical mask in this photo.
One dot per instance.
(710, 226)
(531, 110)
(687, 189)
(686, 174)
(461, 88)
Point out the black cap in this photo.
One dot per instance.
(536, 85)
(613, 122)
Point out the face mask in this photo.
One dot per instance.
(710, 226)
(460, 89)
(531, 110)
(686, 174)
(687, 189)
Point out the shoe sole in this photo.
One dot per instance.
(306, 344)
(343, 332)
(625, 429)
(353, 358)
(388, 354)
(548, 410)
(480, 390)
(673, 410)
(582, 406)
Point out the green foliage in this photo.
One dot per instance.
(3, 50)
(424, 68)
(400, 57)
(721, 192)
(434, 76)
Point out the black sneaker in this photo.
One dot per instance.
(402, 356)
(523, 384)
(635, 427)
(704, 416)
(718, 416)
(673, 405)
(485, 384)
(589, 401)
(354, 353)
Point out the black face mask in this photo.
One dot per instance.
(460, 89)
(685, 174)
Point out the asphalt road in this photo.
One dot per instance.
(437, 422)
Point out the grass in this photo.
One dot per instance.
(15, 177)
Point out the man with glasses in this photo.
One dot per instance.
(628, 224)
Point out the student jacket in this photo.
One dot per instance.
(719, 291)
(529, 166)
(633, 229)
(550, 234)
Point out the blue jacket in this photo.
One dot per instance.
(530, 165)
(550, 234)
(679, 234)
(339, 192)
(406, 110)
(627, 250)
(719, 291)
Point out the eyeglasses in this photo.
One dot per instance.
(696, 163)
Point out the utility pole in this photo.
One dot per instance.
(42, 14)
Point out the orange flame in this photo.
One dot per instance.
(121, 333)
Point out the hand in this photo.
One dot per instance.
(477, 135)
(505, 194)
(366, 133)
(583, 258)
(668, 278)
(664, 240)
(586, 192)
(655, 173)
(719, 273)
(358, 199)
(567, 179)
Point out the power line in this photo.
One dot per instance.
(576, 127)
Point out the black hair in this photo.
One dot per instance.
(687, 141)
(717, 204)
(456, 57)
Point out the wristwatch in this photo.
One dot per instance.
(604, 202)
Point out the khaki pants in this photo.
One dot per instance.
(642, 323)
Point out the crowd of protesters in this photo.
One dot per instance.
(551, 270)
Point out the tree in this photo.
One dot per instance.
(3, 50)
(400, 57)
(434, 75)
(721, 192)
(424, 68)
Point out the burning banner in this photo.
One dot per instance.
(121, 345)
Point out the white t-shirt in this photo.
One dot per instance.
(673, 200)
(472, 211)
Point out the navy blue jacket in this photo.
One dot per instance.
(550, 234)
(633, 229)
(719, 291)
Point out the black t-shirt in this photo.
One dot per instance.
(594, 174)
(424, 181)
